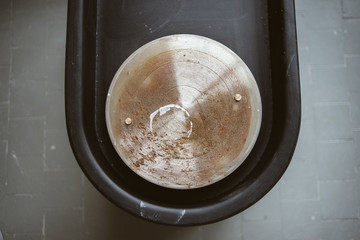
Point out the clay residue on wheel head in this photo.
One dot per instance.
(187, 127)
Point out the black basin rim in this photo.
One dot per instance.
(180, 216)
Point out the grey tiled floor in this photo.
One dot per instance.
(44, 195)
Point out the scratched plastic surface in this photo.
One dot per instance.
(183, 111)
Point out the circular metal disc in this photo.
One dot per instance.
(183, 111)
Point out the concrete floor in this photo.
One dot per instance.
(44, 195)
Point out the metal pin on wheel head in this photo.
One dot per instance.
(128, 121)
(237, 97)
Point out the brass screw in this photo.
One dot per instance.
(128, 121)
(237, 97)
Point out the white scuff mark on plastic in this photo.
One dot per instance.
(17, 163)
(290, 63)
(149, 28)
(53, 147)
(142, 206)
(181, 216)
